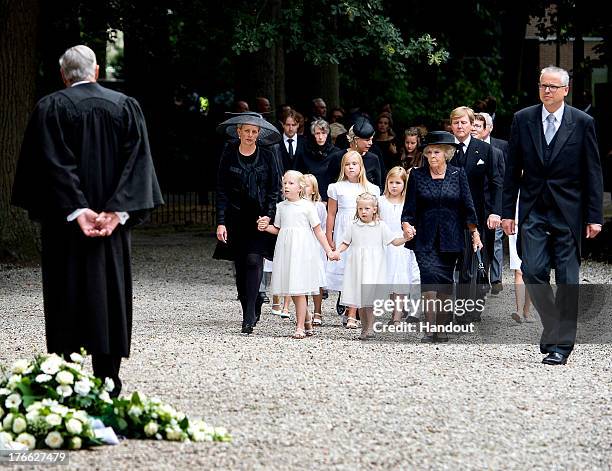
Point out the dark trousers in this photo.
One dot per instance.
(106, 366)
(547, 242)
(249, 270)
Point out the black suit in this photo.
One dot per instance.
(561, 190)
(299, 146)
(482, 170)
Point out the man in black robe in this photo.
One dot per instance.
(86, 174)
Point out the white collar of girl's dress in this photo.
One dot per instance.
(359, 222)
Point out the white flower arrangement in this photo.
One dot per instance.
(50, 402)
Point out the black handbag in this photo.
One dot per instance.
(481, 278)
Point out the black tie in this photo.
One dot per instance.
(461, 155)
(290, 141)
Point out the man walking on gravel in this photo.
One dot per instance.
(86, 174)
(553, 159)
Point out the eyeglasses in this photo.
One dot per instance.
(552, 88)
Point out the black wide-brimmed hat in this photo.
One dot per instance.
(363, 128)
(438, 138)
(268, 134)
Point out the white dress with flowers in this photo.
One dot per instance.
(365, 274)
(298, 268)
(345, 193)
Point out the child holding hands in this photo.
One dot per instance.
(365, 268)
(298, 269)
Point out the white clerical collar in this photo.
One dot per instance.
(81, 83)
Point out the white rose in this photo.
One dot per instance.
(43, 378)
(34, 406)
(4, 391)
(53, 419)
(51, 365)
(75, 443)
(135, 411)
(81, 415)
(82, 387)
(20, 366)
(7, 422)
(64, 377)
(32, 416)
(104, 397)
(59, 409)
(54, 440)
(151, 429)
(19, 425)
(13, 401)
(76, 357)
(13, 380)
(199, 436)
(221, 431)
(27, 440)
(64, 390)
(74, 426)
(6, 438)
(109, 384)
(173, 433)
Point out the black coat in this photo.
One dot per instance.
(436, 212)
(244, 193)
(573, 175)
(86, 147)
(480, 165)
(315, 160)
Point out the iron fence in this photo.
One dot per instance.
(185, 208)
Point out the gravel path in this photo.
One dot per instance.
(330, 401)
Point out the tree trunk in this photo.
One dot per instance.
(330, 85)
(18, 31)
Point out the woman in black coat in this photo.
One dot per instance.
(315, 159)
(437, 210)
(248, 188)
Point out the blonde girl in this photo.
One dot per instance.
(341, 206)
(297, 270)
(366, 267)
(311, 193)
(402, 269)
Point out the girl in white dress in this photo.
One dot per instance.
(521, 295)
(366, 264)
(311, 193)
(297, 267)
(341, 205)
(403, 275)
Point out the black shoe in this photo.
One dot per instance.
(325, 294)
(496, 288)
(339, 307)
(427, 339)
(247, 329)
(555, 358)
(265, 299)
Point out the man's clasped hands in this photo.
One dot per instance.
(97, 224)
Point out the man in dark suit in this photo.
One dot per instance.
(292, 146)
(481, 167)
(483, 126)
(554, 161)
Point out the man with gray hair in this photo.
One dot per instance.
(86, 174)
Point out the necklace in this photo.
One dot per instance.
(436, 173)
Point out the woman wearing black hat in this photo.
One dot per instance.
(248, 186)
(437, 209)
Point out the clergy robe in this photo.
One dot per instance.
(86, 147)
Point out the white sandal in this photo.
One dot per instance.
(276, 312)
(317, 320)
